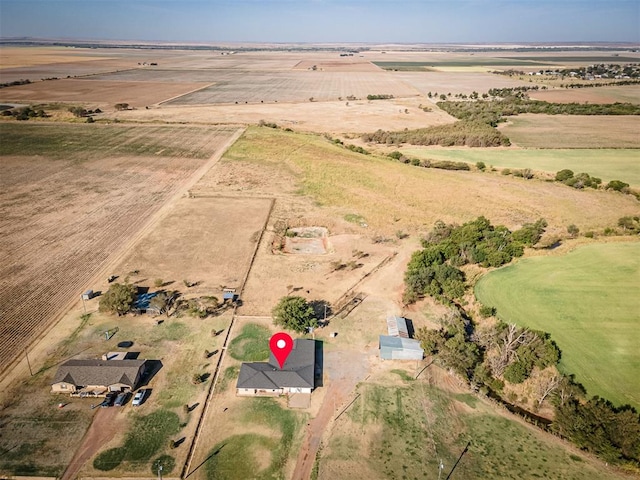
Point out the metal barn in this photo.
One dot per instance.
(398, 348)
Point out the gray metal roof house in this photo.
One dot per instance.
(97, 376)
(398, 348)
(267, 379)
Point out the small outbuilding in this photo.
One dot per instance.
(229, 295)
(88, 295)
(398, 348)
(397, 327)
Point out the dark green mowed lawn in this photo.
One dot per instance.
(589, 301)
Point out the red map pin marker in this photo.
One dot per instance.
(281, 345)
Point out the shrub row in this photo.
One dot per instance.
(462, 133)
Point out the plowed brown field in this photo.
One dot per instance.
(62, 219)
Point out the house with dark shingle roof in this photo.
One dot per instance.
(97, 376)
(268, 379)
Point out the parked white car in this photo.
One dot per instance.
(138, 398)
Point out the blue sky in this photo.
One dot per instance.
(405, 21)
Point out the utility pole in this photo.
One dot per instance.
(458, 461)
(440, 468)
(28, 363)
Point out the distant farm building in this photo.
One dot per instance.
(229, 295)
(398, 348)
(96, 377)
(142, 304)
(88, 295)
(266, 379)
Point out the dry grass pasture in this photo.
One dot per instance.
(573, 131)
(72, 196)
(389, 196)
(205, 240)
(332, 116)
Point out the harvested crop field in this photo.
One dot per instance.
(455, 82)
(36, 63)
(348, 64)
(573, 131)
(72, 196)
(136, 94)
(298, 86)
(21, 57)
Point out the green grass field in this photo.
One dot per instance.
(588, 300)
(148, 435)
(402, 432)
(252, 345)
(608, 164)
(243, 456)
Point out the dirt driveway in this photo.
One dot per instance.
(107, 422)
(343, 369)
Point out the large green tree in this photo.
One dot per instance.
(119, 298)
(294, 313)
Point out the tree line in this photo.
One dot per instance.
(478, 118)
(492, 354)
(434, 270)
(462, 133)
(493, 111)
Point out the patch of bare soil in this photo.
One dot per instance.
(307, 241)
